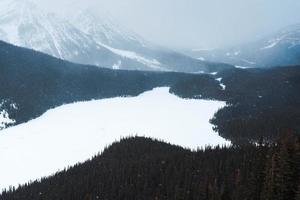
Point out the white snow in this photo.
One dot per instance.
(241, 67)
(247, 61)
(213, 73)
(199, 72)
(74, 133)
(14, 106)
(236, 53)
(198, 96)
(117, 66)
(233, 53)
(221, 84)
(201, 58)
(271, 45)
(5, 120)
(274, 42)
(153, 63)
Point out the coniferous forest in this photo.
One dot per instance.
(261, 103)
(261, 119)
(76, 75)
(142, 168)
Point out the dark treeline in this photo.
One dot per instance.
(260, 102)
(140, 168)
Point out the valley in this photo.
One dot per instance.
(125, 104)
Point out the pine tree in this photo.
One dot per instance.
(288, 174)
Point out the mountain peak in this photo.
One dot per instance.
(93, 38)
(106, 30)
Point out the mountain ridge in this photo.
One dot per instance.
(281, 48)
(89, 39)
(143, 168)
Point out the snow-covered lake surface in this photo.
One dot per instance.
(74, 133)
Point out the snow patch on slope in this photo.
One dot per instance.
(74, 133)
(213, 73)
(221, 84)
(241, 67)
(5, 120)
(284, 38)
(153, 63)
(273, 44)
(247, 61)
(117, 66)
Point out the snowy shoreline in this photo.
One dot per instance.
(73, 133)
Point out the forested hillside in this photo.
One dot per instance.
(35, 82)
(260, 102)
(139, 168)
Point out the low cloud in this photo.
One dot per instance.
(192, 23)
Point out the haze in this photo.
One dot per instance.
(193, 23)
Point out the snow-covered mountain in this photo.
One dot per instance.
(104, 30)
(22, 23)
(88, 39)
(280, 48)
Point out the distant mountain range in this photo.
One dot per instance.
(89, 38)
(278, 49)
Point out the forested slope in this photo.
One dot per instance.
(260, 102)
(140, 168)
(36, 82)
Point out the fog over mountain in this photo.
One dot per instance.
(193, 23)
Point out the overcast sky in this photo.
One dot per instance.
(195, 23)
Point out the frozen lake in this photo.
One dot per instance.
(75, 132)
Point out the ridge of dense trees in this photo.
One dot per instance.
(260, 102)
(142, 168)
